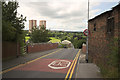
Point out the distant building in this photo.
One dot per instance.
(103, 29)
(67, 44)
(42, 23)
(32, 23)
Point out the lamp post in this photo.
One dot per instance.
(87, 38)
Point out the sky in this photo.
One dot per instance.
(65, 15)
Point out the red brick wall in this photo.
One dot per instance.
(41, 47)
(117, 21)
(99, 40)
(9, 49)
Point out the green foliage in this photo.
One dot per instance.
(62, 45)
(77, 38)
(8, 31)
(39, 35)
(22, 41)
(110, 69)
(54, 40)
(27, 38)
(113, 59)
(64, 38)
(12, 25)
(78, 43)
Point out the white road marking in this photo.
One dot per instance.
(59, 64)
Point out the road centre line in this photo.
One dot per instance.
(72, 65)
(43, 56)
(28, 62)
(11, 68)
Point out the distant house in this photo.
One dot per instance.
(67, 43)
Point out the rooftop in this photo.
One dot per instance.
(117, 6)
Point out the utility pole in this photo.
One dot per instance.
(87, 38)
(88, 9)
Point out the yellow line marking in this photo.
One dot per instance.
(74, 66)
(70, 69)
(11, 69)
(71, 66)
(42, 56)
(28, 62)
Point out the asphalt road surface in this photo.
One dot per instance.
(60, 63)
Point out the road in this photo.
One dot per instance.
(60, 63)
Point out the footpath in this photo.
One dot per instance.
(86, 70)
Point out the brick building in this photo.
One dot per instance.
(103, 29)
(32, 23)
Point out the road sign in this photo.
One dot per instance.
(86, 32)
(59, 64)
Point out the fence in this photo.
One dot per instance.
(10, 49)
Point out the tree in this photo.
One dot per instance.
(11, 23)
(38, 36)
(8, 32)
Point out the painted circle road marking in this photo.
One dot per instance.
(59, 64)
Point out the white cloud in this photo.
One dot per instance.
(68, 0)
(62, 15)
(104, 0)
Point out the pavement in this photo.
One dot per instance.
(60, 63)
(87, 70)
(23, 59)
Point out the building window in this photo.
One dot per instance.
(94, 27)
(110, 24)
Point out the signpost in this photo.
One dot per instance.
(86, 33)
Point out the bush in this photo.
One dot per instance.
(111, 67)
(78, 43)
(62, 45)
(38, 36)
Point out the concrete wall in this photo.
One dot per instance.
(41, 47)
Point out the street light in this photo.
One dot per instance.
(87, 38)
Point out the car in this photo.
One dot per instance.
(65, 47)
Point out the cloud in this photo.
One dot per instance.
(60, 15)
